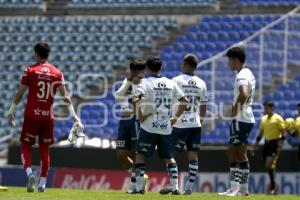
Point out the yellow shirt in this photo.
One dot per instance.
(272, 127)
(297, 125)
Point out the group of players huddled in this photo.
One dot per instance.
(170, 114)
(156, 112)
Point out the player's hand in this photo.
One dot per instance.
(173, 120)
(76, 132)
(11, 119)
(80, 125)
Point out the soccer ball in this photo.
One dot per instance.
(289, 124)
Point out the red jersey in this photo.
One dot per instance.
(42, 80)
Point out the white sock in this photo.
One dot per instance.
(234, 179)
(42, 182)
(28, 171)
(173, 173)
(244, 188)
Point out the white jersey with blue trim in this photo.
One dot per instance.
(158, 95)
(124, 95)
(245, 77)
(195, 90)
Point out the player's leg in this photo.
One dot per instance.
(29, 131)
(243, 131)
(269, 164)
(233, 163)
(139, 169)
(272, 156)
(124, 154)
(244, 168)
(45, 164)
(46, 138)
(193, 147)
(165, 152)
(145, 146)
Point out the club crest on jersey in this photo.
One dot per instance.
(192, 82)
(45, 70)
(161, 85)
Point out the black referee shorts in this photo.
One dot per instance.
(271, 148)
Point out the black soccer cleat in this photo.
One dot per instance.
(165, 191)
(175, 192)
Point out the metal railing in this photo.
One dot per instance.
(259, 46)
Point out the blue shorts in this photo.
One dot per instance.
(239, 132)
(189, 137)
(127, 134)
(148, 141)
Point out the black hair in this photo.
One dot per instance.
(42, 49)
(298, 105)
(269, 103)
(237, 52)
(154, 64)
(191, 60)
(137, 64)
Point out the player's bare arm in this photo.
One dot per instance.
(67, 99)
(181, 108)
(18, 97)
(258, 138)
(136, 104)
(202, 112)
(121, 92)
(243, 94)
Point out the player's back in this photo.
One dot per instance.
(159, 95)
(42, 80)
(195, 90)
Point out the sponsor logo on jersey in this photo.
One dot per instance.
(192, 82)
(45, 70)
(40, 112)
(161, 85)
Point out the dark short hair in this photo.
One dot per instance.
(269, 103)
(154, 64)
(42, 49)
(138, 64)
(237, 52)
(298, 105)
(191, 60)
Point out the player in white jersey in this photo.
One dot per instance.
(241, 124)
(128, 125)
(153, 100)
(187, 130)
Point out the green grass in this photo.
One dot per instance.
(14, 193)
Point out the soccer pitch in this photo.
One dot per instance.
(61, 194)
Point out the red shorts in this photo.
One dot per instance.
(42, 128)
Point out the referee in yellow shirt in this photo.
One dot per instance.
(272, 129)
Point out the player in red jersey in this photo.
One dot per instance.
(42, 80)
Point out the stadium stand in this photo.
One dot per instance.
(138, 3)
(94, 45)
(269, 2)
(21, 4)
(100, 45)
(216, 33)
